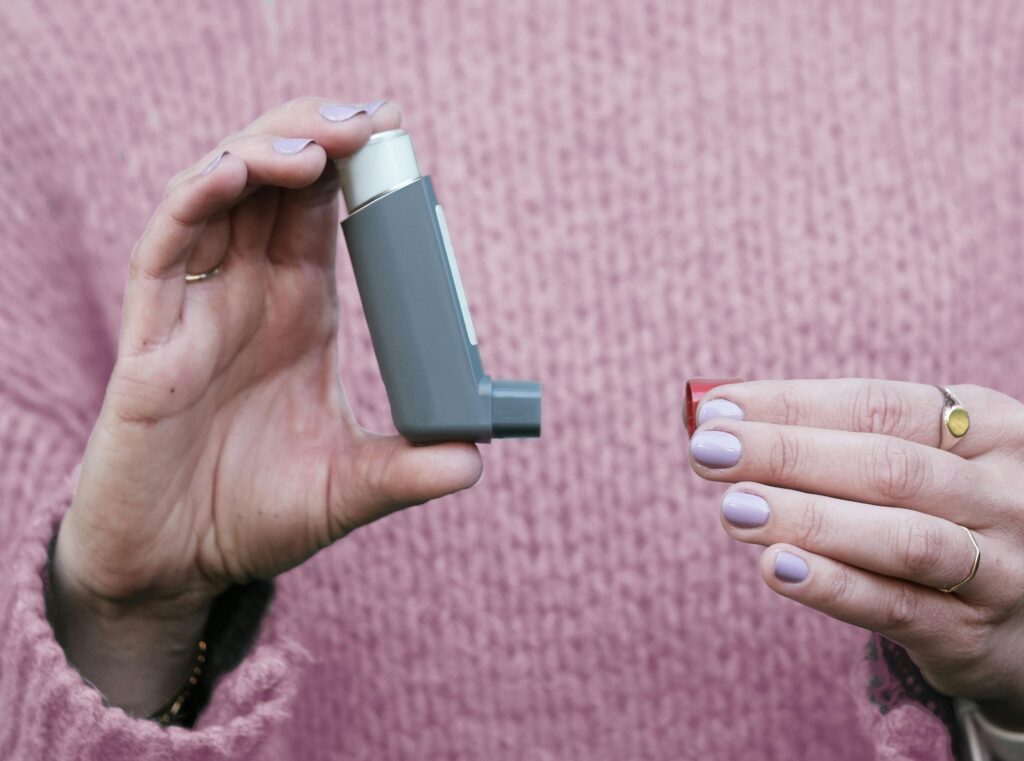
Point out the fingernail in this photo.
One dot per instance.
(718, 408)
(789, 567)
(715, 449)
(697, 389)
(291, 145)
(339, 112)
(372, 106)
(745, 510)
(215, 163)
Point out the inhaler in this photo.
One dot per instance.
(416, 306)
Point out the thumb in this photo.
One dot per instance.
(387, 474)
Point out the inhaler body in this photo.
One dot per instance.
(416, 307)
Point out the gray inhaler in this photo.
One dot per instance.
(416, 308)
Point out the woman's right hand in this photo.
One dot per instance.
(224, 450)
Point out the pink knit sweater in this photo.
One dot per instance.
(639, 191)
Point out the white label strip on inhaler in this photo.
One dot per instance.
(454, 265)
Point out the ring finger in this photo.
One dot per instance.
(891, 541)
(915, 617)
(156, 286)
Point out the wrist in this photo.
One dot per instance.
(136, 650)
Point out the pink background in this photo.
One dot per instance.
(638, 192)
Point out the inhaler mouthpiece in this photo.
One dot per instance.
(387, 162)
(515, 409)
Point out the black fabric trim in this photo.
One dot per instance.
(231, 631)
(911, 685)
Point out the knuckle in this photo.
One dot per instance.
(920, 545)
(340, 522)
(138, 270)
(352, 490)
(230, 138)
(987, 614)
(813, 527)
(973, 389)
(878, 408)
(301, 104)
(994, 603)
(836, 592)
(135, 268)
(966, 637)
(174, 183)
(1005, 416)
(783, 457)
(376, 487)
(370, 471)
(971, 644)
(901, 608)
(786, 409)
(897, 471)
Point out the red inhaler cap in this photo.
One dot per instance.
(697, 389)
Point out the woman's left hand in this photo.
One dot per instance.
(864, 516)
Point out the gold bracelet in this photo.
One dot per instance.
(170, 709)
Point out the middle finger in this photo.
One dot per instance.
(863, 467)
(341, 128)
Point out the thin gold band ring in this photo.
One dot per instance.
(974, 566)
(199, 277)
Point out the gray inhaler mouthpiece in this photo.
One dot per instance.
(416, 308)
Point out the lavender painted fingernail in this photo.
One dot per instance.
(789, 567)
(745, 510)
(718, 408)
(339, 112)
(715, 449)
(215, 163)
(291, 145)
(372, 106)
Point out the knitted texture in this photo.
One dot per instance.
(638, 192)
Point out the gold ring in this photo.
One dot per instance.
(974, 566)
(955, 420)
(201, 276)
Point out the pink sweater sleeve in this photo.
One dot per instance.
(50, 712)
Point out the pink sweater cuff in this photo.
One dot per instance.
(50, 712)
(904, 724)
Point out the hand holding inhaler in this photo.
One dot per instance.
(224, 450)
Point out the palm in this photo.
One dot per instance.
(242, 403)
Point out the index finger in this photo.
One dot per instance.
(340, 128)
(910, 411)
